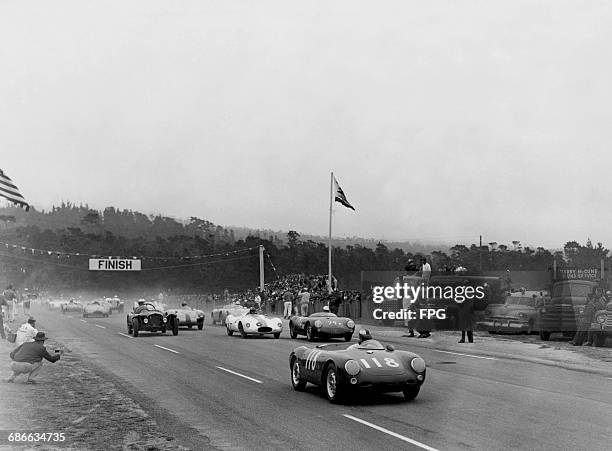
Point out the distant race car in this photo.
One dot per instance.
(321, 325)
(341, 369)
(71, 306)
(97, 308)
(253, 323)
(218, 315)
(188, 316)
(148, 317)
(115, 304)
(55, 304)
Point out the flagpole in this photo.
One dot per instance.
(329, 243)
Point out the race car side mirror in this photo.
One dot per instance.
(390, 348)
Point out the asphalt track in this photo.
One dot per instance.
(236, 393)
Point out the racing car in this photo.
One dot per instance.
(219, 315)
(321, 325)
(71, 306)
(188, 316)
(253, 323)
(115, 304)
(147, 316)
(96, 308)
(342, 369)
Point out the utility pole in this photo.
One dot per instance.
(480, 254)
(261, 268)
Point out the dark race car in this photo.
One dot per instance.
(342, 369)
(147, 317)
(321, 325)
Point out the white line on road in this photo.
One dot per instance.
(125, 335)
(241, 375)
(387, 431)
(83, 320)
(101, 327)
(466, 355)
(167, 349)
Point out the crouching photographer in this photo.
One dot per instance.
(27, 358)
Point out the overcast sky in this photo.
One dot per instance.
(442, 120)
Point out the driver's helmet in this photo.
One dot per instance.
(141, 302)
(252, 311)
(325, 308)
(183, 304)
(364, 334)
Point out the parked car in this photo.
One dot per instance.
(601, 325)
(97, 308)
(147, 317)
(219, 315)
(342, 369)
(253, 323)
(188, 316)
(321, 325)
(72, 305)
(516, 315)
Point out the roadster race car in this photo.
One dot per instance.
(321, 325)
(147, 317)
(220, 314)
(253, 323)
(71, 306)
(96, 308)
(188, 316)
(342, 369)
(115, 304)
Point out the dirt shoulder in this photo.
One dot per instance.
(74, 397)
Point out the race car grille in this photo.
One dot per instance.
(264, 329)
(608, 320)
(155, 320)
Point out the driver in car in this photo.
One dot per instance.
(364, 335)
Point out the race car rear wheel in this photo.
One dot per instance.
(292, 332)
(411, 392)
(298, 383)
(135, 328)
(242, 332)
(332, 391)
(229, 332)
(310, 335)
(348, 337)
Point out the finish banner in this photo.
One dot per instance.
(114, 264)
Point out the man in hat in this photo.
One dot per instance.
(27, 358)
(26, 332)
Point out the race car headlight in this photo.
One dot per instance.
(350, 324)
(318, 323)
(279, 325)
(418, 364)
(259, 324)
(521, 315)
(352, 368)
(146, 320)
(600, 319)
(165, 320)
(248, 325)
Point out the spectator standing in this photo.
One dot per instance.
(288, 303)
(304, 302)
(425, 271)
(11, 298)
(3, 304)
(26, 332)
(27, 358)
(585, 321)
(465, 321)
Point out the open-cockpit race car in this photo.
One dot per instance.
(342, 369)
(253, 323)
(146, 316)
(321, 325)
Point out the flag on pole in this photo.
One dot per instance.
(10, 191)
(339, 195)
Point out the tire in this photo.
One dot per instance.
(297, 382)
(411, 392)
(599, 340)
(333, 392)
(129, 328)
(243, 334)
(189, 326)
(544, 335)
(213, 320)
(175, 327)
(310, 335)
(201, 325)
(277, 335)
(348, 337)
(163, 330)
(135, 328)
(229, 332)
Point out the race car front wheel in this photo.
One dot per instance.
(332, 391)
(201, 325)
(292, 332)
(298, 383)
(175, 327)
(411, 392)
(348, 337)
(229, 331)
(243, 334)
(135, 328)
(310, 333)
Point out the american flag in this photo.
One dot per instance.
(339, 195)
(10, 191)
